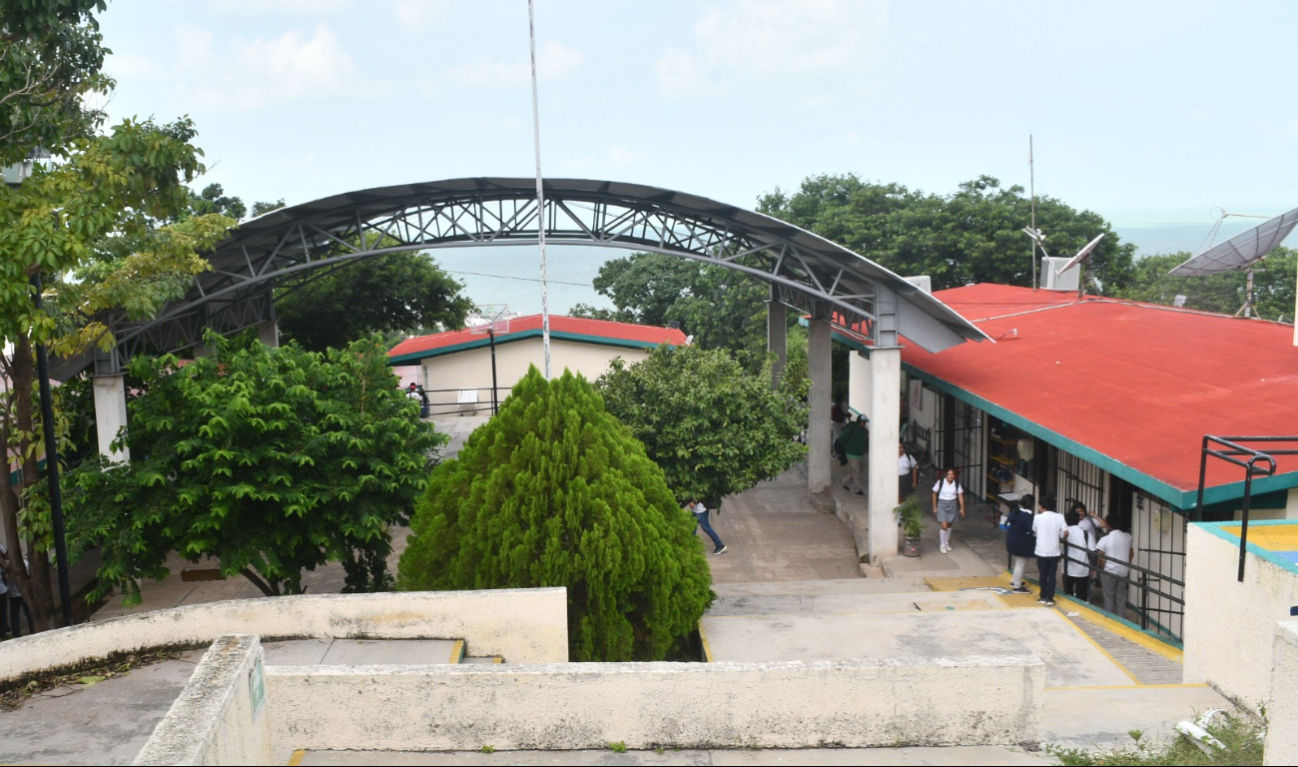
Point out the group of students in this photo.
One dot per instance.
(1086, 544)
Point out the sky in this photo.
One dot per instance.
(1151, 113)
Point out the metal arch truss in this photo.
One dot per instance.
(237, 293)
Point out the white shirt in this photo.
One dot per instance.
(1049, 527)
(1077, 566)
(947, 491)
(699, 508)
(1117, 552)
(904, 464)
(1090, 526)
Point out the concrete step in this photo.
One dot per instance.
(362, 652)
(846, 604)
(482, 660)
(897, 585)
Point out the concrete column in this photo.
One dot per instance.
(820, 363)
(858, 382)
(777, 336)
(268, 333)
(885, 413)
(110, 415)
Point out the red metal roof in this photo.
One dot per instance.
(564, 328)
(1137, 383)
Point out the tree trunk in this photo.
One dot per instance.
(36, 591)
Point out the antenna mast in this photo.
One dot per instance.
(1032, 187)
(540, 198)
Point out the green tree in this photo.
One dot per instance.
(553, 491)
(399, 292)
(1273, 285)
(272, 460)
(714, 428)
(722, 308)
(973, 235)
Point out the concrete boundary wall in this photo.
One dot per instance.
(1282, 713)
(1230, 626)
(220, 716)
(520, 625)
(950, 701)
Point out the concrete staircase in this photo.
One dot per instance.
(369, 652)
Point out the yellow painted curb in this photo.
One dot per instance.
(297, 757)
(457, 651)
(1105, 652)
(1126, 632)
(707, 648)
(497, 659)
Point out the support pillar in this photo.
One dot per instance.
(885, 434)
(777, 335)
(858, 382)
(110, 415)
(820, 363)
(268, 332)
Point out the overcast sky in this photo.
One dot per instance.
(1150, 112)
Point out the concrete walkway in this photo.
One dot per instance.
(971, 755)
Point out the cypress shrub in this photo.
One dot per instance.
(554, 491)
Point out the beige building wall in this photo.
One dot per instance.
(445, 376)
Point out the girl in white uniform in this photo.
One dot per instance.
(948, 499)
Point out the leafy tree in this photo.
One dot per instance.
(272, 460)
(553, 491)
(1273, 285)
(213, 199)
(262, 208)
(396, 292)
(970, 236)
(714, 428)
(722, 308)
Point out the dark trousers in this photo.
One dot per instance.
(701, 520)
(1079, 587)
(16, 604)
(1048, 572)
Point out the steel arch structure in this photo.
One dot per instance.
(806, 271)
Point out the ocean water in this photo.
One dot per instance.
(512, 275)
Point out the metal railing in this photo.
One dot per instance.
(1142, 583)
(435, 409)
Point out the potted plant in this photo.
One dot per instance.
(911, 520)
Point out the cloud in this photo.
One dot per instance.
(769, 41)
(248, 74)
(419, 15)
(554, 61)
(268, 7)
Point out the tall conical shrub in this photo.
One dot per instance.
(554, 491)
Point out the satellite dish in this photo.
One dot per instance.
(1037, 236)
(1081, 255)
(1241, 250)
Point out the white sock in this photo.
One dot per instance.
(945, 536)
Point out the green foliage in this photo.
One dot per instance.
(1273, 285)
(618, 747)
(51, 57)
(553, 491)
(396, 292)
(722, 308)
(1244, 740)
(911, 517)
(973, 235)
(274, 461)
(714, 428)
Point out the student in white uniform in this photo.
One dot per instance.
(948, 500)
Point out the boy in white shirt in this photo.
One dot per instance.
(1116, 550)
(1049, 527)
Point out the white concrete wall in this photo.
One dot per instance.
(965, 701)
(1230, 626)
(520, 625)
(471, 369)
(1282, 713)
(221, 715)
(858, 381)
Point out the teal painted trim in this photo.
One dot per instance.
(1164, 638)
(1217, 529)
(1277, 499)
(522, 336)
(1141, 480)
(1235, 490)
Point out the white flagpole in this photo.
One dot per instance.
(540, 197)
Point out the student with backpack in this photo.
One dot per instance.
(948, 500)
